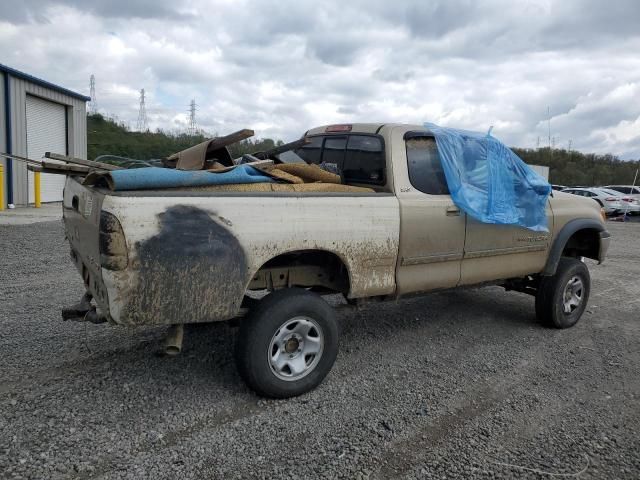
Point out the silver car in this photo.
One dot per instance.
(611, 203)
(630, 203)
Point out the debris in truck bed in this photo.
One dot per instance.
(196, 157)
(151, 178)
(262, 171)
(308, 172)
(317, 187)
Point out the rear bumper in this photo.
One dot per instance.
(605, 239)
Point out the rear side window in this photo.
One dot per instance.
(425, 168)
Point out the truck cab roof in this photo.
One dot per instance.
(370, 128)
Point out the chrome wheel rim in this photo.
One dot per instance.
(296, 348)
(573, 294)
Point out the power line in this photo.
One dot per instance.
(142, 125)
(192, 118)
(93, 106)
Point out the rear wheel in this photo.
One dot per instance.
(288, 343)
(562, 298)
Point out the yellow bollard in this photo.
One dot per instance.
(1, 187)
(36, 188)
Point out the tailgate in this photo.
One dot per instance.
(81, 213)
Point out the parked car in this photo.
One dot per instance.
(154, 257)
(612, 203)
(630, 204)
(628, 190)
(558, 187)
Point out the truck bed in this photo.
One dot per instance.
(192, 255)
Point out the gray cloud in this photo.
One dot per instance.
(32, 10)
(284, 66)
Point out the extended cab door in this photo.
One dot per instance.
(495, 252)
(432, 228)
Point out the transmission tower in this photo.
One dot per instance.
(93, 107)
(192, 118)
(143, 126)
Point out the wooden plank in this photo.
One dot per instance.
(80, 161)
(231, 138)
(20, 159)
(65, 168)
(35, 168)
(282, 148)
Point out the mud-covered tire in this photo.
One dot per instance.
(562, 298)
(287, 344)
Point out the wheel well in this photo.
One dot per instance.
(583, 243)
(320, 270)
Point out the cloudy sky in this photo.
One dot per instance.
(281, 67)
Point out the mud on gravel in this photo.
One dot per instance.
(460, 384)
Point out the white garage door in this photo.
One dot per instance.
(46, 132)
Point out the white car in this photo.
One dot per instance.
(626, 190)
(630, 203)
(612, 203)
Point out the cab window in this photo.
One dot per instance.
(312, 151)
(359, 159)
(333, 153)
(364, 161)
(425, 168)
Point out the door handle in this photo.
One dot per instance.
(453, 211)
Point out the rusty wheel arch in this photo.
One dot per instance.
(323, 270)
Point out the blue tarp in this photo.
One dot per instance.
(154, 177)
(489, 182)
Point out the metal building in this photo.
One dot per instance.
(37, 116)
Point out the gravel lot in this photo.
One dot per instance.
(455, 384)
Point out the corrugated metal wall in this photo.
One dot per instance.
(77, 128)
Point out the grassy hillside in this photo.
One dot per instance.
(575, 168)
(107, 137)
(565, 168)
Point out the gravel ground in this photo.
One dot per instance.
(455, 384)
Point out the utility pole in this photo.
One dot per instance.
(570, 142)
(538, 142)
(93, 108)
(142, 125)
(192, 119)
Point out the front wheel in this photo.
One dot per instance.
(288, 343)
(562, 298)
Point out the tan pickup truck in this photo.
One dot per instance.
(184, 256)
